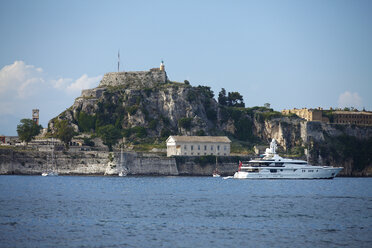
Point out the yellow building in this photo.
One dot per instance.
(337, 117)
(307, 114)
(352, 117)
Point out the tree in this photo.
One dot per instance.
(109, 135)
(27, 130)
(86, 122)
(64, 131)
(185, 123)
(222, 99)
(234, 99)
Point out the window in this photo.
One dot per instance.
(273, 170)
(199, 147)
(185, 147)
(205, 148)
(211, 147)
(218, 147)
(224, 148)
(192, 153)
(198, 153)
(185, 153)
(192, 147)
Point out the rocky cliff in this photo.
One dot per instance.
(146, 107)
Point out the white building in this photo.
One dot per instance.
(198, 145)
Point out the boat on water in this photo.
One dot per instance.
(51, 168)
(272, 166)
(216, 173)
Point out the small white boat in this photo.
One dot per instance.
(216, 175)
(122, 174)
(51, 169)
(272, 166)
(50, 174)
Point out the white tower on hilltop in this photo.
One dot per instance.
(162, 67)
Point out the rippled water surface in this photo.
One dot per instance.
(76, 211)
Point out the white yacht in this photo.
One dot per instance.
(272, 166)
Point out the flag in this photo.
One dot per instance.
(240, 165)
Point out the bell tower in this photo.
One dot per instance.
(35, 116)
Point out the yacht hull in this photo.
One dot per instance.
(308, 173)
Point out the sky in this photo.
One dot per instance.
(291, 54)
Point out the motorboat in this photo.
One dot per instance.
(216, 173)
(272, 166)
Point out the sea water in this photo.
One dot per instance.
(74, 211)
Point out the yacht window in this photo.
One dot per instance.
(273, 170)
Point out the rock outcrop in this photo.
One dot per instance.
(146, 105)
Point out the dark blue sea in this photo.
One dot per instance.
(74, 211)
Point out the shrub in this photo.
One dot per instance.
(185, 123)
(86, 122)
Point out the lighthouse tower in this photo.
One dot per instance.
(162, 67)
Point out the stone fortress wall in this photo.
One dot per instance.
(140, 79)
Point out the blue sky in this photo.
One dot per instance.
(287, 53)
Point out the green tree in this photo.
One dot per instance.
(234, 99)
(222, 99)
(27, 130)
(86, 122)
(109, 135)
(64, 131)
(185, 123)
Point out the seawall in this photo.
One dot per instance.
(25, 162)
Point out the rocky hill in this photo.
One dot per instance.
(146, 107)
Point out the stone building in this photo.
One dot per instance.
(198, 145)
(352, 117)
(337, 117)
(307, 114)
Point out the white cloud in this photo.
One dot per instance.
(24, 87)
(349, 99)
(20, 79)
(84, 82)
